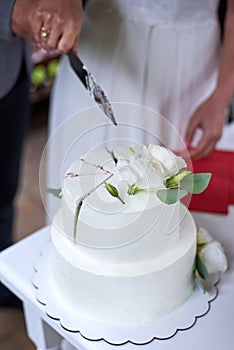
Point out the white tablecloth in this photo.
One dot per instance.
(213, 331)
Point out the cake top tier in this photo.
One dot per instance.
(116, 195)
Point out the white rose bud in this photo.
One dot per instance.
(171, 162)
(203, 236)
(213, 257)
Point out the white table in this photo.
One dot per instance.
(213, 331)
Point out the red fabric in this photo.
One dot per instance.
(220, 192)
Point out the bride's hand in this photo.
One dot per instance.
(210, 117)
(53, 24)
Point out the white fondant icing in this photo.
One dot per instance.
(103, 282)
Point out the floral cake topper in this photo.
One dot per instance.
(169, 177)
(177, 182)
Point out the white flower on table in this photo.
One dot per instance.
(213, 257)
(210, 253)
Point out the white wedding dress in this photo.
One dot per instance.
(162, 54)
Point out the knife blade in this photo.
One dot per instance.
(90, 84)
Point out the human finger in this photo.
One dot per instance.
(35, 24)
(69, 37)
(44, 38)
(191, 129)
(54, 37)
(203, 148)
(75, 46)
(66, 41)
(45, 29)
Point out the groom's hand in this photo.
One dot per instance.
(52, 24)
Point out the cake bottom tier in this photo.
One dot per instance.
(126, 296)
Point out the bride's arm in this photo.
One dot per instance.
(210, 116)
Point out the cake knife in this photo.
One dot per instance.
(90, 84)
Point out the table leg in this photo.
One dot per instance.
(65, 345)
(43, 336)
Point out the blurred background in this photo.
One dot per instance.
(30, 215)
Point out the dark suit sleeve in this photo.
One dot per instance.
(6, 7)
(84, 2)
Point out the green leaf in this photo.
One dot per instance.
(195, 183)
(133, 189)
(201, 268)
(171, 196)
(113, 191)
(174, 181)
(57, 192)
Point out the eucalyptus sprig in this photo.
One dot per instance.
(113, 191)
(179, 185)
(201, 268)
(57, 192)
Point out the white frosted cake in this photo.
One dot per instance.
(120, 255)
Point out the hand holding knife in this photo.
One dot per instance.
(90, 84)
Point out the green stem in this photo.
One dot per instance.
(76, 218)
(121, 200)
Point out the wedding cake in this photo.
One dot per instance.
(122, 256)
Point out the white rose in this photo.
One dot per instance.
(170, 162)
(203, 236)
(129, 173)
(213, 257)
